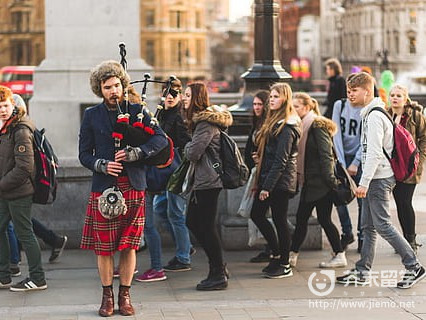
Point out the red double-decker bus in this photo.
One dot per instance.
(19, 79)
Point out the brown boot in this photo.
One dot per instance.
(107, 305)
(124, 303)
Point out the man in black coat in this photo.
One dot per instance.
(337, 87)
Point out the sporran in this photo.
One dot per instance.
(112, 203)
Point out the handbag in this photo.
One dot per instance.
(248, 197)
(345, 191)
(188, 182)
(175, 182)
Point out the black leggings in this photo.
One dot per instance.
(278, 201)
(403, 194)
(201, 220)
(323, 206)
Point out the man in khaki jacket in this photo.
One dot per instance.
(16, 191)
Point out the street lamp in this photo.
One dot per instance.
(383, 53)
(340, 10)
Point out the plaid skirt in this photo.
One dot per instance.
(106, 236)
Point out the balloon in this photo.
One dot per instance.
(355, 69)
(387, 80)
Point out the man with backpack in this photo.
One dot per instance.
(375, 187)
(348, 148)
(16, 192)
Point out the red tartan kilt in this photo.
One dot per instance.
(106, 236)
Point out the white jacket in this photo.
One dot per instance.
(376, 134)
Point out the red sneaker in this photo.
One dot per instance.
(152, 275)
(116, 273)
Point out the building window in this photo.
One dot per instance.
(412, 44)
(149, 18)
(198, 20)
(413, 16)
(150, 52)
(177, 19)
(178, 52)
(21, 52)
(199, 51)
(396, 41)
(21, 21)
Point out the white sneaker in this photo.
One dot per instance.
(338, 261)
(292, 258)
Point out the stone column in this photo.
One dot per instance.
(79, 35)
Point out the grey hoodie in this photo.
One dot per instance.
(376, 134)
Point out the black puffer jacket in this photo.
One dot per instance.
(172, 123)
(278, 169)
(17, 159)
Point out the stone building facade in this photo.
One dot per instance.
(374, 33)
(174, 38)
(173, 35)
(21, 32)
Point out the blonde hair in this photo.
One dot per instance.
(308, 101)
(402, 88)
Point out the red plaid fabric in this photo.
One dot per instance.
(107, 236)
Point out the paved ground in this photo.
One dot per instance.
(74, 290)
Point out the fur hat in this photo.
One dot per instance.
(104, 71)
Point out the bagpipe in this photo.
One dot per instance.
(139, 133)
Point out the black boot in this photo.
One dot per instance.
(211, 274)
(411, 238)
(216, 280)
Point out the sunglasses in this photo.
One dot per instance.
(174, 92)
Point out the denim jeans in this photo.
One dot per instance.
(13, 243)
(19, 211)
(345, 220)
(152, 236)
(170, 209)
(48, 236)
(376, 219)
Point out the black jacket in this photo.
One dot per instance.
(336, 91)
(278, 171)
(249, 149)
(172, 123)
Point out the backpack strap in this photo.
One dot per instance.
(343, 105)
(393, 125)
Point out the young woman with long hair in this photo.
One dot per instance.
(205, 123)
(315, 169)
(277, 143)
(408, 114)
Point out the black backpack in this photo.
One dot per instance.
(46, 165)
(231, 168)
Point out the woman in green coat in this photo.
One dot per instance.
(315, 168)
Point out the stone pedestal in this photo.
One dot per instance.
(233, 228)
(79, 35)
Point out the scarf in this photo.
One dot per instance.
(7, 123)
(307, 121)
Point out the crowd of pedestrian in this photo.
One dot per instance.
(291, 149)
